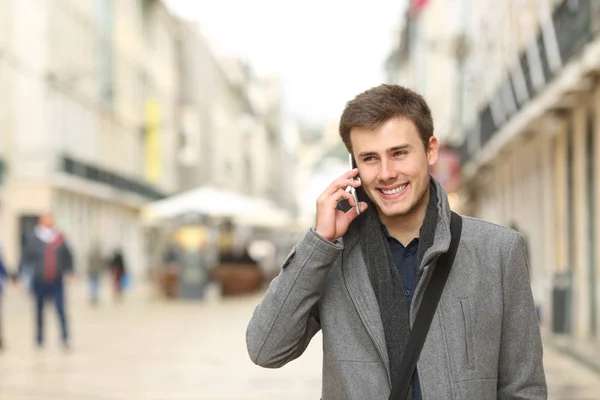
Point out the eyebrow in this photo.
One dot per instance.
(405, 146)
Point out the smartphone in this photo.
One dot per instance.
(352, 189)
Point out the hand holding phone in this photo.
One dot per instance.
(332, 223)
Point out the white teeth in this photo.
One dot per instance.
(394, 191)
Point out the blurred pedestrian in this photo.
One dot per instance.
(3, 280)
(47, 252)
(119, 273)
(96, 265)
(371, 272)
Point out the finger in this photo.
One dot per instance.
(342, 194)
(351, 199)
(362, 205)
(346, 176)
(330, 199)
(342, 183)
(351, 214)
(350, 174)
(333, 200)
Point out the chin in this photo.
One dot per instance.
(394, 210)
(395, 213)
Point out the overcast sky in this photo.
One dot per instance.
(325, 51)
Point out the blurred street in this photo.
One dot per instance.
(147, 348)
(187, 142)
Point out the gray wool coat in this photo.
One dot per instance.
(484, 341)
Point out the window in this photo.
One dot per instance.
(105, 37)
(147, 14)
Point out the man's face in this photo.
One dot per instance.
(47, 220)
(393, 165)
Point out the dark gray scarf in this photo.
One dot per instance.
(385, 279)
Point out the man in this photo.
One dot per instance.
(47, 253)
(361, 279)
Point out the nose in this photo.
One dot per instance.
(387, 172)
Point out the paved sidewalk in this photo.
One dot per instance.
(147, 349)
(568, 379)
(156, 350)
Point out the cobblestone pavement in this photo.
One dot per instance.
(151, 349)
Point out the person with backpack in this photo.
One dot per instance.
(48, 255)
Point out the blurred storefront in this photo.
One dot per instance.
(213, 236)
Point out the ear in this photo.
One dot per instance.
(432, 151)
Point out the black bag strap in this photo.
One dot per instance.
(431, 298)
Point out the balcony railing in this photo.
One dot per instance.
(575, 27)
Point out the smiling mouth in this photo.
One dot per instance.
(393, 191)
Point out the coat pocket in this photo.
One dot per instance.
(469, 356)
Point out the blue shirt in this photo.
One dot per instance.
(405, 259)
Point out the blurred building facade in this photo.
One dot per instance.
(429, 56)
(92, 133)
(524, 79)
(230, 121)
(533, 156)
(108, 105)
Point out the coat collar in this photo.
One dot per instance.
(441, 238)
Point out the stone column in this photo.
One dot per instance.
(579, 251)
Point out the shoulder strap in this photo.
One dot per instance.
(432, 296)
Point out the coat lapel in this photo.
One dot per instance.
(356, 279)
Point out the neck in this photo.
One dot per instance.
(406, 227)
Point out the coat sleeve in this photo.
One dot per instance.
(287, 318)
(521, 371)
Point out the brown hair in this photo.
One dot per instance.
(377, 105)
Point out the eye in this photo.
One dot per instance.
(368, 158)
(400, 153)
